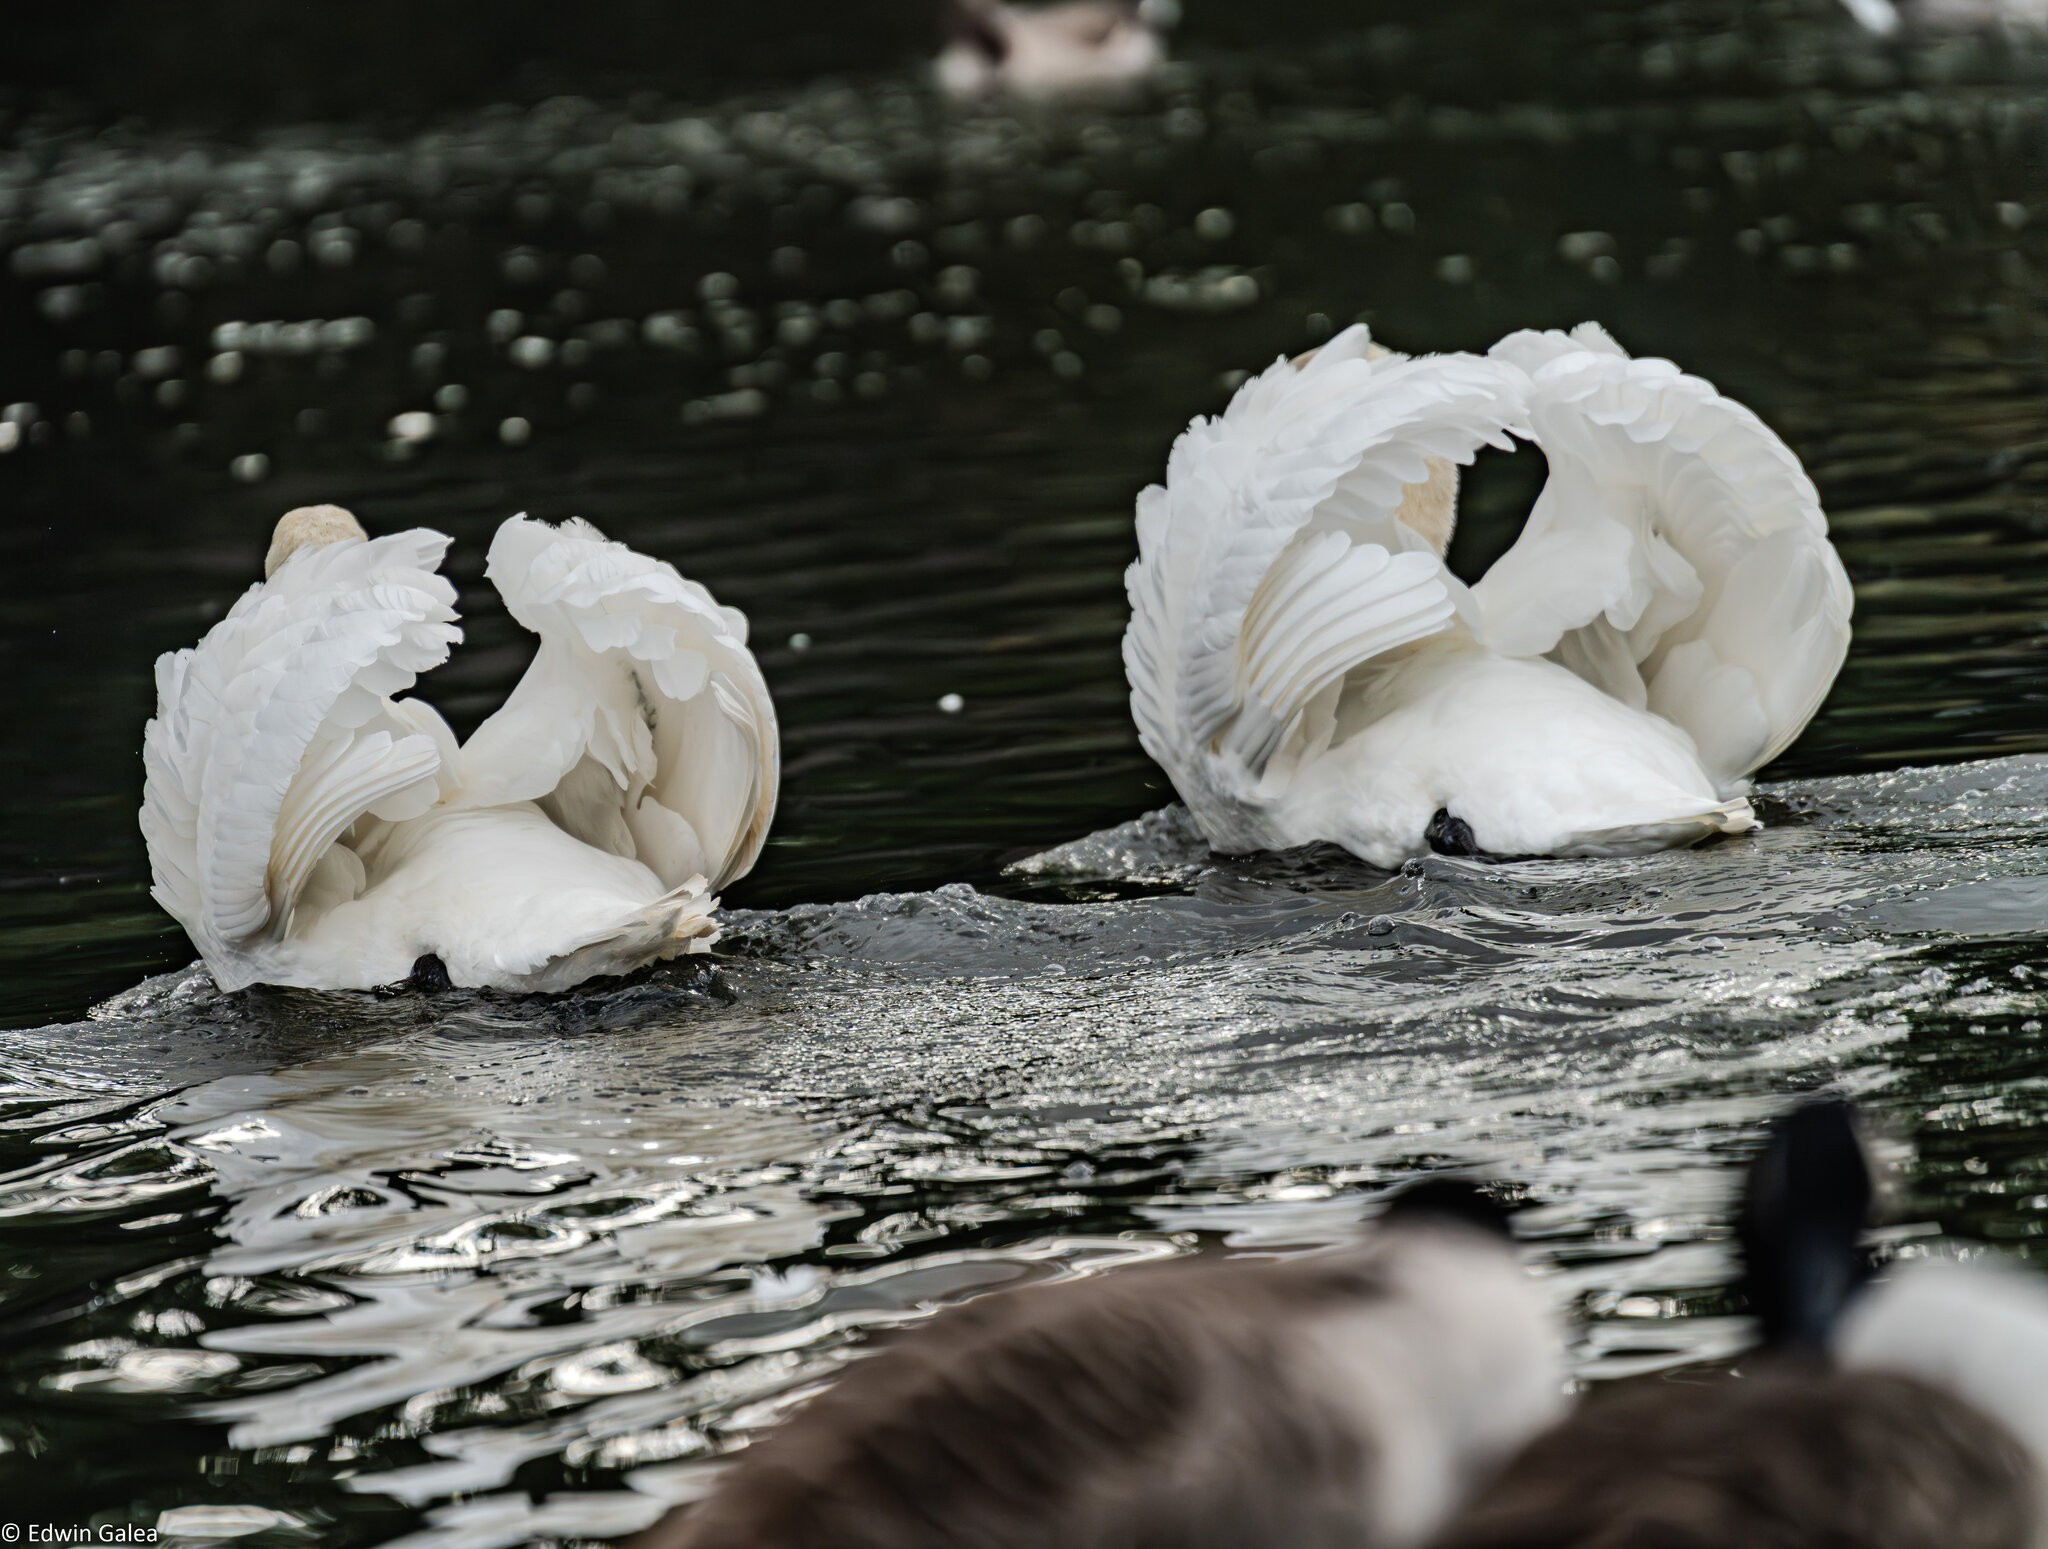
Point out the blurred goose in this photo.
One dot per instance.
(1069, 46)
(308, 828)
(1910, 1414)
(1305, 667)
(1337, 1400)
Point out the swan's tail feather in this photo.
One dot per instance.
(681, 922)
(1276, 558)
(644, 725)
(275, 734)
(1676, 832)
(1678, 558)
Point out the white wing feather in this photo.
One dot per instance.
(276, 733)
(643, 725)
(1272, 562)
(1677, 559)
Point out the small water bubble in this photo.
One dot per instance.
(10, 436)
(718, 287)
(951, 704)
(1455, 269)
(515, 431)
(250, 468)
(531, 352)
(158, 361)
(412, 427)
(225, 368)
(451, 397)
(1215, 225)
(799, 641)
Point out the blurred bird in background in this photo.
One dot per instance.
(1053, 50)
(1886, 17)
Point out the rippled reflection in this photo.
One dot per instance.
(501, 1246)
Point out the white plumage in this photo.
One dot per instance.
(1071, 46)
(2013, 17)
(1977, 1330)
(306, 827)
(1304, 667)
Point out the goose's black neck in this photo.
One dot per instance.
(1804, 1208)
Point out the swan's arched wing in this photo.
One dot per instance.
(1677, 558)
(276, 733)
(643, 725)
(1284, 548)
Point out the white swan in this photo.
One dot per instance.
(1304, 667)
(307, 828)
(1071, 46)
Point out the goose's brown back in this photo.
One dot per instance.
(1795, 1458)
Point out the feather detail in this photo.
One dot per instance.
(1678, 557)
(1293, 499)
(643, 725)
(270, 738)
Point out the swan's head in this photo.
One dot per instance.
(308, 527)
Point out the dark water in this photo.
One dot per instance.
(340, 1269)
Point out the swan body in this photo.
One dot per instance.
(1305, 667)
(1331, 1401)
(309, 828)
(1066, 47)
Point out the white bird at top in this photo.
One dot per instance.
(1053, 50)
(1306, 668)
(308, 828)
(1885, 17)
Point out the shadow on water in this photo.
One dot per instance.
(342, 1268)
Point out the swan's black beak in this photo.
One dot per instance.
(429, 976)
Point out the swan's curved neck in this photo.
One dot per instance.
(308, 527)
